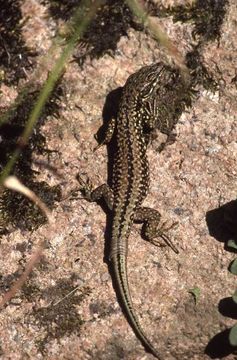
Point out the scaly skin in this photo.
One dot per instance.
(151, 98)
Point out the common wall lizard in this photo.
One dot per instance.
(152, 98)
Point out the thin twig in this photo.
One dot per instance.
(13, 183)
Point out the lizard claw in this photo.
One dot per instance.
(86, 187)
(97, 147)
(162, 234)
(99, 144)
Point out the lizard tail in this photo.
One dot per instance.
(120, 274)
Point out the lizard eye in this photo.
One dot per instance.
(147, 91)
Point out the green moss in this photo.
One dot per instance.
(61, 318)
(7, 280)
(16, 58)
(207, 16)
(16, 210)
(57, 320)
(30, 291)
(111, 22)
(199, 73)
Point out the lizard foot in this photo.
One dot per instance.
(161, 233)
(86, 187)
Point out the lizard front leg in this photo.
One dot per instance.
(102, 191)
(108, 134)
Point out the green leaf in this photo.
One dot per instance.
(234, 297)
(233, 267)
(232, 244)
(233, 335)
(195, 291)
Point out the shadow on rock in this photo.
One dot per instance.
(227, 307)
(219, 346)
(222, 225)
(222, 222)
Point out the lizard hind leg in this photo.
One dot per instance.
(152, 229)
